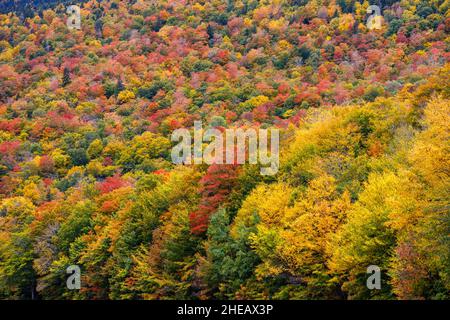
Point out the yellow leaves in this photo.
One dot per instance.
(148, 145)
(8, 54)
(289, 113)
(165, 32)
(60, 159)
(95, 148)
(265, 242)
(248, 22)
(4, 45)
(125, 96)
(362, 27)
(376, 190)
(94, 168)
(31, 37)
(267, 203)
(48, 15)
(284, 45)
(6, 136)
(17, 206)
(346, 22)
(431, 153)
(258, 100)
(360, 9)
(198, 7)
(421, 52)
(324, 30)
(445, 7)
(97, 169)
(4, 20)
(266, 269)
(75, 170)
(321, 188)
(227, 41)
(390, 204)
(291, 236)
(31, 191)
(312, 220)
(85, 108)
(277, 26)
(114, 148)
(94, 43)
(252, 103)
(394, 196)
(135, 82)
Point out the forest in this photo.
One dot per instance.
(86, 176)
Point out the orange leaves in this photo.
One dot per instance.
(13, 125)
(112, 183)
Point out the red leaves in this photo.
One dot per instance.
(9, 147)
(216, 185)
(11, 81)
(62, 120)
(409, 271)
(46, 164)
(112, 183)
(109, 206)
(12, 126)
(161, 172)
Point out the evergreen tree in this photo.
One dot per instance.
(66, 77)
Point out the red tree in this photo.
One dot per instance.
(112, 183)
(215, 186)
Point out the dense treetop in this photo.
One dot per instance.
(86, 177)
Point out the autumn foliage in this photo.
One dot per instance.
(87, 179)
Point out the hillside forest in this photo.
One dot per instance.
(86, 177)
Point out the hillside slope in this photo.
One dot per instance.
(86, 118)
